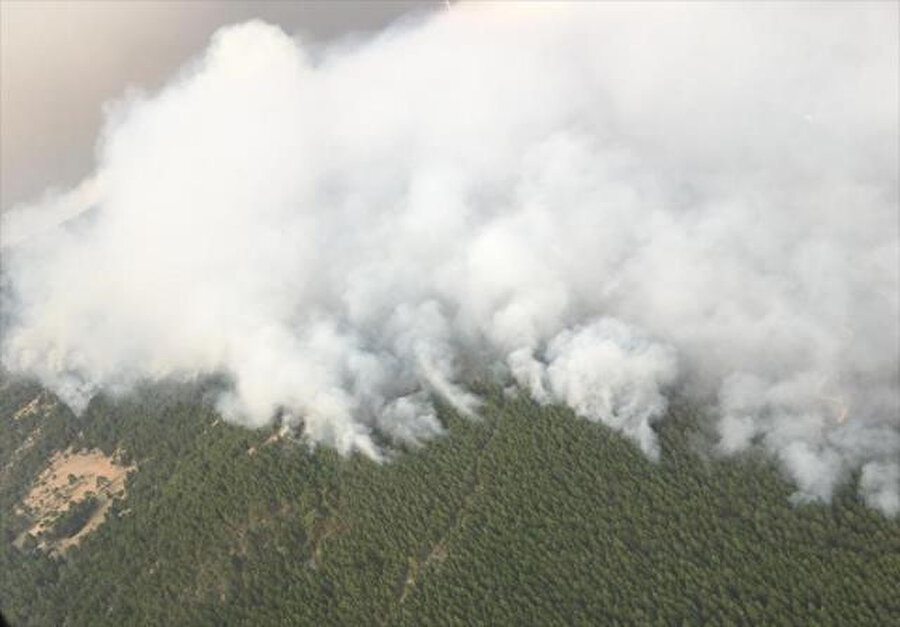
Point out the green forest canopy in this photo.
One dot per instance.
(525, 515)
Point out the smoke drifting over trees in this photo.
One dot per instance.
(598, 203)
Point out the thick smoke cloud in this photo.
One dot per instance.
(599, 203)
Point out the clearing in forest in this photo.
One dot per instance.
(71, 478)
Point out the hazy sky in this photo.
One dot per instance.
(62, 60)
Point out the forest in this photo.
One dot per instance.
(524, 514)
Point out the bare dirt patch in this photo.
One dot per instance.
(71, 478)
(41, 402)
(17, 454)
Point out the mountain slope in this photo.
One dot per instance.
(525, 515)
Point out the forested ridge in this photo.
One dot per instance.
(524, 515)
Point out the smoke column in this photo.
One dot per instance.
(598, 203)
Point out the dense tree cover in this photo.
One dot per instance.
(525, 515)
(74, 520)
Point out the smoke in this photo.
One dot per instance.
(599, 203)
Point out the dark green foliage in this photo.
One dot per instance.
(527, 515)
(76, 518)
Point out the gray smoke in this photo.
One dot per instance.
(599, 202)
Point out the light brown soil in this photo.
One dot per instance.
(70, 478)
(39, 402)
(23, 448)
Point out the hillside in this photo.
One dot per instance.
(528, 515)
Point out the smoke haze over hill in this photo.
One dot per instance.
(600, 203)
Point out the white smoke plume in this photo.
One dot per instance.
(599, 202)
